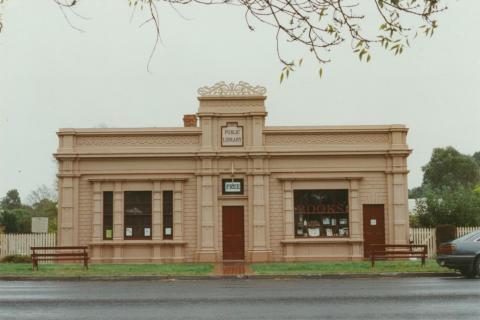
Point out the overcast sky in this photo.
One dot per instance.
(52, 76)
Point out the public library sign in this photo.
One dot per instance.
(232, 135)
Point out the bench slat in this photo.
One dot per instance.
(60, 248)
(69, 254)
(57, 259)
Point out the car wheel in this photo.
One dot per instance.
(468, 272)
(476, 266)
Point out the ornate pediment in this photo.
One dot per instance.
(223, 89)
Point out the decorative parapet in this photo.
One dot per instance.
(136, 141)
(241, 89)
(323, 138)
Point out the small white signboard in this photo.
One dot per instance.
(233, 186)
(39, 224)
(232, 135)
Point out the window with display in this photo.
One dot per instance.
(138, 214)
(167, 214)
(107, 215)
(321, 213)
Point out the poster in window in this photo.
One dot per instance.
(128, 232)
(326, 220)
(168, 231)
(146, 232)
(314, 232)
(329, 232)
(342, 221)
(334, 222)
(108, 233)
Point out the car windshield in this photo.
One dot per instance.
(469, 236)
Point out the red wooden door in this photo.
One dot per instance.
(373, 226)
(233, 233)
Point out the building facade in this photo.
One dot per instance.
(227, 187)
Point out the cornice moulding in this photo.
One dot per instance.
(316, 177)
(292, 130)
(130, 131)
(169, 153)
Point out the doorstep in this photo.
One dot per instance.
(233, 268)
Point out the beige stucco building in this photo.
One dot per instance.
(227, 187)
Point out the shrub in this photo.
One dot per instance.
(16, 258)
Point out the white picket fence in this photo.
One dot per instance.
(20, 243)
(427, 236)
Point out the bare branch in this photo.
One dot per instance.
(318, 25)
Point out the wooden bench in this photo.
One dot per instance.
(397, 251)
(59, 254)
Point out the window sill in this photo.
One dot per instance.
(232, 196)
(322, 240)
(137, 242)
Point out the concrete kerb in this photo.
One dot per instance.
(236, 277)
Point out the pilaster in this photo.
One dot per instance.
(118, 229)
(66, 212)
(178, 219)
(207, 250)
(97, 221)
(261, 240)
(356, 217)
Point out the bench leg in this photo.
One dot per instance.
(373, 260)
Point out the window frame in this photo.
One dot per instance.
(167, 214)
(147, 205)
(105, 215)
(321, 221)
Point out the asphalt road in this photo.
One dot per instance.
(411, 298)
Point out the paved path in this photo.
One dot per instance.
(413, 298)
(232, 268)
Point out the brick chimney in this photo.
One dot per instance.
(190, 120)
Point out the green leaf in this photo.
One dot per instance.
(362, 53)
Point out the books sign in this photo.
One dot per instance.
(232, 135)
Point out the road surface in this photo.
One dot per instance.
(410, 298)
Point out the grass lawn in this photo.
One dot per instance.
(24, 269)
(204, 269)
(317, 268)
